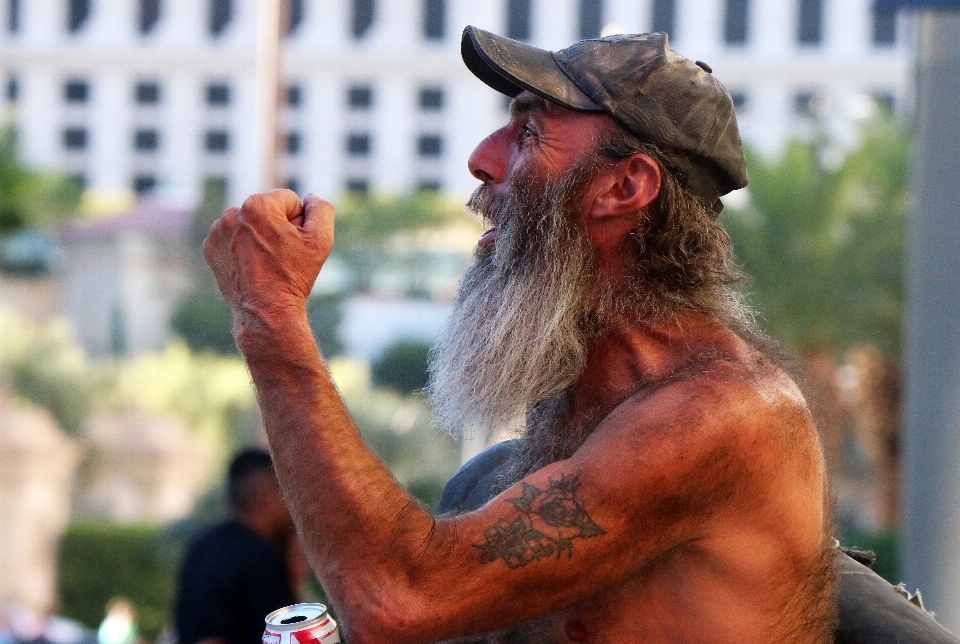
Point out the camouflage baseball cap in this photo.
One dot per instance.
(652, 91)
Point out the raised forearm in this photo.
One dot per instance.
(360, 529)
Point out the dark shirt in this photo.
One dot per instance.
(230, 581)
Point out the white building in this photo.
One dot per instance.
(124, 275)
(136, 94)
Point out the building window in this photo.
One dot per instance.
(360, 97)
(736, 21)
(810, 22)
(361, 17)
(884, 102)
(434, 19)
(294, 143)
(149, 15)
(739, 100)
(358, 186)
(218, 95)
(77, 13)
(144, 183)
(518, 19)
(664, 16)
(76, 91)
(146, 140)
(431, 99)
(358, 144)
(591, 18)
(294, 15)
(884, 26)
(216, 141)
(12, 90)
(807, 104)
(294, 96)
(221, 12)
(13, 16)
(75, 138)
(146, 93)
(430, 145)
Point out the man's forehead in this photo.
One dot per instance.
(525, 102)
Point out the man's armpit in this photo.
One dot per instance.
(546, 525)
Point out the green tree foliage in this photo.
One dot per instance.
(100, 561)
(213, 394)
(203, 320)
(403, 366)
(325, 313)
(44, 365)
(365, 224)
(824, 247)
(29, 198)
(365, 220)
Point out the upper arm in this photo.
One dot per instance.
(648, 479)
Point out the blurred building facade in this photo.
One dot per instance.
(123, 276)
(37, 466)
(140, 468)
(148, 94)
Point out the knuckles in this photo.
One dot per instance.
(253, 203)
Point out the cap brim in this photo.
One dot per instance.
(510, 67)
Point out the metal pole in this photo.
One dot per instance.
(267, 73)
(931, 534)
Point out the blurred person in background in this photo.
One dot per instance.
(237, 572)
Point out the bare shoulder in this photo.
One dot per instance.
(714, 425)
(718, 396)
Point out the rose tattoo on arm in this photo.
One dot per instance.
(547, 525)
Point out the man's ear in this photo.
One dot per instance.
(630, 185)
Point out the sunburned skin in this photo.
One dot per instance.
(760, 569)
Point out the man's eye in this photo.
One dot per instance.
(525, 133)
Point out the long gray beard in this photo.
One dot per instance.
(524, 319)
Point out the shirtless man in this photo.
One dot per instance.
(669, 484)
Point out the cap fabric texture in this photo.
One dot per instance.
(653, 92)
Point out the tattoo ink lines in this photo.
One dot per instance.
(521, 541)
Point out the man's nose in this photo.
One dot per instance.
(488, 163)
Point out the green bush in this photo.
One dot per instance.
(403, 366)
(43, 364)
(204, 321)
(100, 561)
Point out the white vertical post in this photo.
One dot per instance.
(267, 71)
(931, 534)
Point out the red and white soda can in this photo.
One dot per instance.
(301, 624)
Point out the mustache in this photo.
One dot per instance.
(489, 207)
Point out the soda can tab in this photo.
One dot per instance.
(301, 624)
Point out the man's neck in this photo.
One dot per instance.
(631, 356)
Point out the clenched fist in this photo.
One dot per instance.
(267, 254)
